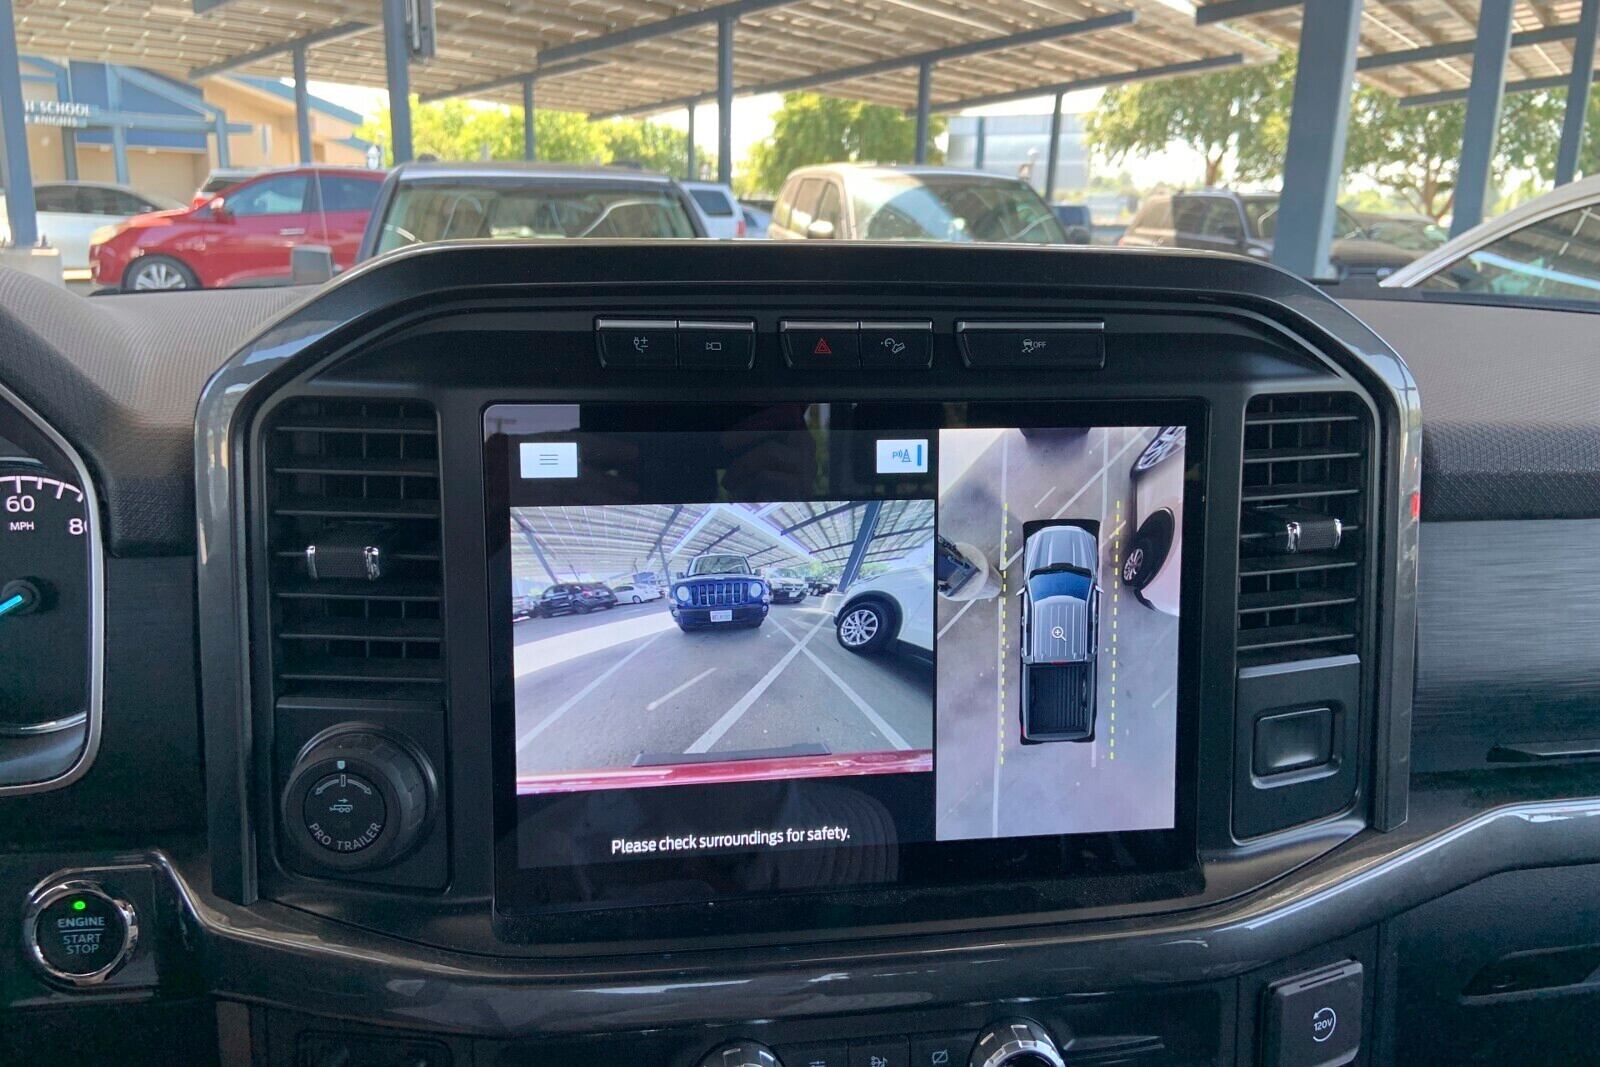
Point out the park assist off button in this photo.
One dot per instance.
(1076, 344)
(78, 933)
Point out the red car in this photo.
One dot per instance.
(243, 237)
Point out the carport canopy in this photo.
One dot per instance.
(609, 544)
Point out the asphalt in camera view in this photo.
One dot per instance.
(645, 688)
(989, 784)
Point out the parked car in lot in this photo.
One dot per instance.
(1414, 233)
(891, 610)
(719, 589)
(720, 212)
(71, 213)
(757, 220)
(523, 607)
(422, 202)
(575, 598)
(1151, 564)
(220, 180)
(1546, 249)
(245, 237)
(1075, 220)
(1060, 606)
(629, 593)
(857, 202)
(819, 587)
(1220, 220)
(787, 588)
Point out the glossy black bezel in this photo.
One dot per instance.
(1048, 869)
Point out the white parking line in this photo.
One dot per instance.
(550, 720)
(1047, 494)
(733, 714)
(956, 619)
(1074, 498)
(660, 700)
(878, 722)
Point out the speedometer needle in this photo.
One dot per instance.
(15, 602)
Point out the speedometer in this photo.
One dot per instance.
(44, 598)
(50, 606)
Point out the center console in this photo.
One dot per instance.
(753, 656)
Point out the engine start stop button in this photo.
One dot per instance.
(79, 933)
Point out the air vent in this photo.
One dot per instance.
(1303, 529)
(353, 532)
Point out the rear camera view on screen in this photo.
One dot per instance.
(1057, 682)
(698, 644)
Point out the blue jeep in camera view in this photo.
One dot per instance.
(719, 589)
(1060, 631)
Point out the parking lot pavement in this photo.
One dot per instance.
(988, 783)
(614, 685)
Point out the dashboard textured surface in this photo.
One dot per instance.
(119, 377)
(1512, 429)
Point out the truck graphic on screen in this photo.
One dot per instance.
(720, 589)
(1060, 606)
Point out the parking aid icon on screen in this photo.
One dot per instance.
(903, 457)
(550, 459)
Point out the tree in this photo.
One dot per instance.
(1414, 152)
(812, 128)
(1238, 117)
(458, 130)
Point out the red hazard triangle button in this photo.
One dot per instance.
(822, 343)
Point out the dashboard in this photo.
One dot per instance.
(734, 655)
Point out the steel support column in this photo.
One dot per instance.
(689, 163)
(302, 105)
(397, 64)
(983, 137)
(1583, 45)
(530, 144)
(223, 153)
(924, 106)
(69, 136)
(858, 551)
(20, 211)
(1485, 94)
(1323, 81)
(1055, 151)
(725, 100)
(532, 541)
(119, 133)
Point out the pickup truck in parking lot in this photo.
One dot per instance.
(1060, 628)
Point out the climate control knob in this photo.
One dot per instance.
(741, 1054)
(357, 799)
(1016, 1043)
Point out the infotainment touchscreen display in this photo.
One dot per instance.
(810, 647)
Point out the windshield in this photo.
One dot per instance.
(719, 565)
(1182, 126)
(444, 211)
(931, 207)
(1060, 582)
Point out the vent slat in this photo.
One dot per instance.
(1266, 637)
(358, 669)
(430, 631)
(356, 589)
(1285, 599)
(358, 466)
(341, 469)
(1305, 455)
(1290, 455)
(358, 508)
(1295, 490)
(357, 424)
